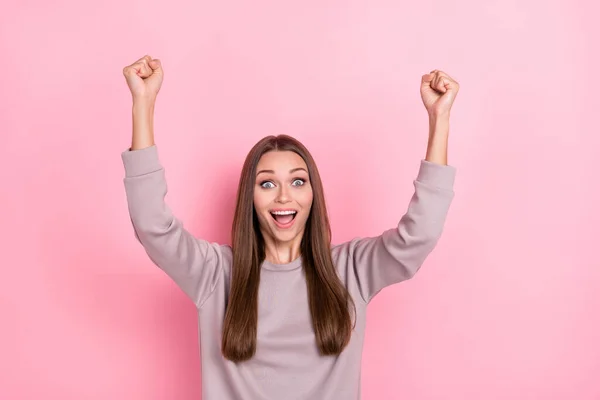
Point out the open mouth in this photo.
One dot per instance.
(284, 220)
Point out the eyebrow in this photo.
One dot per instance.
(270, 171)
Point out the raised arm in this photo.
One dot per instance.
(194, 264)
(398, 253)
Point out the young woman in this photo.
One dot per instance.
(281, 311)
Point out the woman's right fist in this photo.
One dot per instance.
(144, 78)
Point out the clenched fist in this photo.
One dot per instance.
(438, 91)
(144, 78)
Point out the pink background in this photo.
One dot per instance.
(506, 307)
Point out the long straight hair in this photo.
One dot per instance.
(329, 299)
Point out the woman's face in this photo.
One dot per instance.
(282, 184)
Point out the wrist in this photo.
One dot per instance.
(143, 104)
(439, 117)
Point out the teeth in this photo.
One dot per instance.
(283, 212)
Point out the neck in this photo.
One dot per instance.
(278, 252)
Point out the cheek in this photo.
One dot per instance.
(306, 200)
(260, 202)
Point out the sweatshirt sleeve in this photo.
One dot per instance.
(398, 253)
(193, 264)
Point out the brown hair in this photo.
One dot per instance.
(329, 299)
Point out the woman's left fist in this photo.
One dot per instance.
(438, 91)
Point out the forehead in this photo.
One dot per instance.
(280, 161)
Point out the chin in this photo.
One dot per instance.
(289, 233)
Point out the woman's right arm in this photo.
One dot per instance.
(194, 264)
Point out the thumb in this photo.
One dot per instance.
(156, 66)
(426, 79)
(131, 75)
(426, 82)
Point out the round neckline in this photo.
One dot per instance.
(294, 264)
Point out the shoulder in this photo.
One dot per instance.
(341, 255)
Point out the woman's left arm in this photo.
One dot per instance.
(438, 91)
(398, 253)
(437, 146)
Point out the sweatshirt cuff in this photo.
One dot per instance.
(438, 175)
(141, 161)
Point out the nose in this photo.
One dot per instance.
(283, 195)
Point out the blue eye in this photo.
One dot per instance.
(262, 184)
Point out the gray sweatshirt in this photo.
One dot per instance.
(287, 364)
